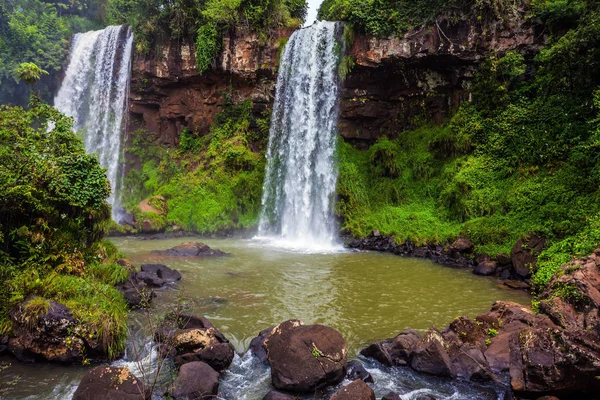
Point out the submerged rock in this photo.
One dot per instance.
(191, 249)
(196, 381)
(357, 371)
(304, 358)
(103, 383)
(357, 390)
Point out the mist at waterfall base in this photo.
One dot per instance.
(94, 93)
(301, 176)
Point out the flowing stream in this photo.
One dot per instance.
(366, 296)
(301, 176)
(94, 93)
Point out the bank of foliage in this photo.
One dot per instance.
(204, 22)
(53, 215)
(211, 182)
(395, 17)
(521, 158)
(37, 31)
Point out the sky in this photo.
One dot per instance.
(313, 8)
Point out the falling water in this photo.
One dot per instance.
(301, 176)
(94, 93)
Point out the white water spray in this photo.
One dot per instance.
(301, 176)
(94, 93)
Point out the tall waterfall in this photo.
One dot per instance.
(301, 175)
(94, 93)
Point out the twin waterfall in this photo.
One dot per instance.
(300, 183)
(94, 93)
(301, 176)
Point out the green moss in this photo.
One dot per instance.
(211, 183)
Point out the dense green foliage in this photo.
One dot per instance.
(521, 158)
(211, 182)
(37, 31)
(53, 215)
(202, 21)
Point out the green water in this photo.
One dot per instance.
(367, 296)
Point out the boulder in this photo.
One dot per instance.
(274, 395)
(257, 345)
(196, 381)
(102, 383)
(136, 292)
(162, 271)
(485, 268)
(396, 351)
(357, 390)
(462, 245)
(524, 254)
(191, 249)
(391, 396)
(45, 330)
(305, 358)
(357, 371)
(151, 280)
(430, 355)
(219, 356)
(191, 340)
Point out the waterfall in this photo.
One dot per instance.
(94, 93)
(299, 188)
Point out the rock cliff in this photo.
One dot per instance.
(424, 76)
(395, 83)
(168, 95)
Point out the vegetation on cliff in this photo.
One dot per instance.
(204, 22)
(53, 215)
(520, 158)
(211, 182)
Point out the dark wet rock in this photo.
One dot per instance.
(391, 396)
(450, 258)
(396, 351)
(357, 390)
(136, 292)
(257, 345)
(486, 268)
(196, 381)
(162, 271)
(304, 358)
(219, 356)
(463, 245)
(357, 371)
(274, 395)
(524, 254)
(503, 260)
(191, 249)
(102, 383)
(151, 280)
(430, 355)
(45, 336)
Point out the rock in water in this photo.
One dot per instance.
(48, 335)
(103, 383)
(162, 271)
(196, 381)
(274, 395)
(357, 390)
(357, 371)
(304, 358)
(191, 249)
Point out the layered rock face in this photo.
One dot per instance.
(168, 94)
(399, 82)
